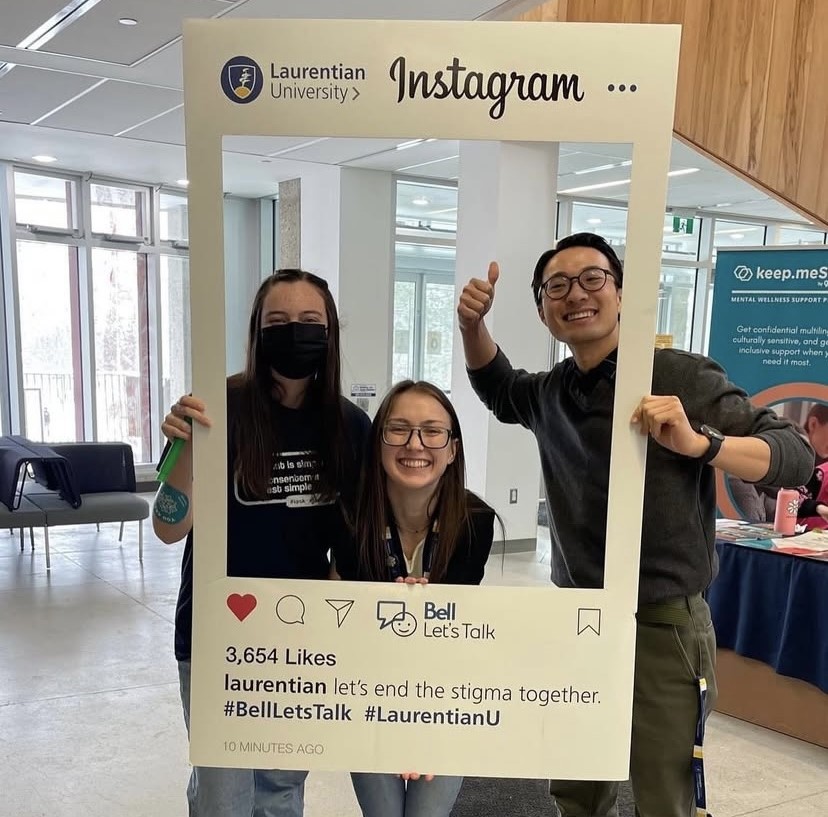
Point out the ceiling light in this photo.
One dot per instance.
(595, 186)
(595, 169)
(683, 172)
(737, 236)
(593, 221)
(432, 162)
(44, 159)
(128, 21)
(737, 230)
(410, 144)
(420, 201)
(583, 172)
(183, 182)
(70, 13)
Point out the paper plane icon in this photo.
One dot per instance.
(342, 607)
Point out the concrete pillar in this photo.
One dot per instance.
(366, 282)
(290, 224)
(506, 213)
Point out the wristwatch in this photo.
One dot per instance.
(716, 439)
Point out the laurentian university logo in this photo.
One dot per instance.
(241, 80)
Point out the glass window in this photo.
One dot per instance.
(424, 261)
(90, 332)
(117, 210)
(734, 234)
(119, 293)
(423, 312)
(45, 201)
(609, 222)
(797, 235)
(50, 341)
(438, 335)
(405, 310)
(426, 208)
(173, 217)
(424, 258)
(676, 294)
(176, 371)
(681, 238)
(708, 318)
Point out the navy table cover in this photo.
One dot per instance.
(773, 607)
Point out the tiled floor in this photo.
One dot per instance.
(90, 720)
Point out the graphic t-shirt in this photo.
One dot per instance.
(290, 534)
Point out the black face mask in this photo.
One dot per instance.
(295, 350)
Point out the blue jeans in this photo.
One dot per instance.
(214, 792)
(388, 795)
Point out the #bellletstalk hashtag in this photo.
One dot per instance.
(276, 711)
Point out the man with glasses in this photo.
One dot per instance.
(696, 419)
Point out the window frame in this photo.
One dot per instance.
(149, 249)
(73, 203)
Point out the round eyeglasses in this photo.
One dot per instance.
(590, 279)
(430, 436)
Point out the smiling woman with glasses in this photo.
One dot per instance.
(416, 523)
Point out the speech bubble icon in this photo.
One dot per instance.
(387, 611)
(290, 610)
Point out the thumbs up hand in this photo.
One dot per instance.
(476, 299)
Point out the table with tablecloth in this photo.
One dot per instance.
(772, 607)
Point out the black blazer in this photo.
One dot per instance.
(468, 561)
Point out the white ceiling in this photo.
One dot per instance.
(106, 98)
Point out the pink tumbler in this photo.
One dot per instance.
(787, 504)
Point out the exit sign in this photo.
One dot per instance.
(682, 225)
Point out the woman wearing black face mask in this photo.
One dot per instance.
(294, 449)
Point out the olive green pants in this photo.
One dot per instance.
(675, 643)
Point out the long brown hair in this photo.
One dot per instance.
(255, 434)
(372, 509)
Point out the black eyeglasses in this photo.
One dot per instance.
(399, 435)
(590, 279)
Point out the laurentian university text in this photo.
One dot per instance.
(458, 82)
(289, 81)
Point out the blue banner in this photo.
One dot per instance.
(770, 316)
(769, 330)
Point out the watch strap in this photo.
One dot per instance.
(713, 450)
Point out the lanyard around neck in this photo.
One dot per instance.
(395, 556)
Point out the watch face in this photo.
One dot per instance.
(711, 432)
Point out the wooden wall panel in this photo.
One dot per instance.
(814, 186)
(752, 86)
(551, 12)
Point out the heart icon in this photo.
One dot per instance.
(241, 606)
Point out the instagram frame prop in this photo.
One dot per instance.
(524, 682)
